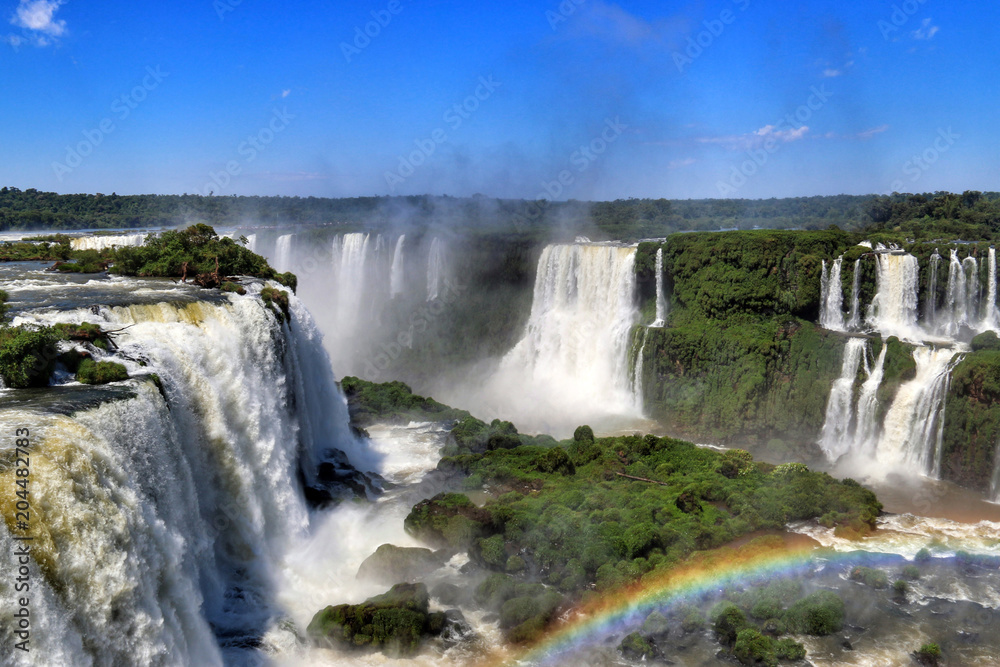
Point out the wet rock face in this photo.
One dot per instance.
(390, 564)
(337, 480)
(397, 623)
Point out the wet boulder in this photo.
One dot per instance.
(391, 564)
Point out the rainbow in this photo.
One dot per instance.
(706, 574)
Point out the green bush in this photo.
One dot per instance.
(27, 356)
(100, 372)
(819, 614)
(929, 654)
(277, 301)
(870, 576)
(636, 647)
(923, 556)
(729, 622)
(911, 572)
(753, 648)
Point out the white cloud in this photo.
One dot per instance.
(37, 18)
(741, 142)
(829, 73)
(868, 134)
(286, 92)
(925, 31)
(677, 164)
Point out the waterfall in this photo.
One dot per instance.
(283, 253)
(867, 426)
(990, 318)
(836, 436)
(105, 242)
(661, 298)
(573, 361)
(435, 269)
(351, 274)
(831, 315)
(893, 311)
(971, 268)
(166, 517)
(252, 242)
(637, 372)
(955, 303)
(914, 424)
(854, 321)
(931, 309)
(396, 272)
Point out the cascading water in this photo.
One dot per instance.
(435, 269)
(867, 426)
(637, 371)
(837, 434)
(854, 319)
(956, 303)
(166, 515)
(991, 320)
(661, 297)
(914, 423)
(573, 361)
(396, 272)
(106, 242)
(283, 253)
(831, 314)
(971, 268)
(893, 311)
(252, 242)
(351, 275)
(930, 311)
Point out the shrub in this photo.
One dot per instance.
(818, 614)
(100, 372)
(753, 648)
(228, 286)
(636, 647)
(923, 555)
(900, 587)
(870, 576)
(729, 621)
(929, 654)
(277, 301)
(27, 356)
(911, 572)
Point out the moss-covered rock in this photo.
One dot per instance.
(636, 647)
(818, 614)
(391, 564)
(277, 301)
(447, 521)
(395, 623)
(100, 372)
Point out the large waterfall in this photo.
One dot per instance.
(661, 297)
(831, 314)
(572, 363)
(435, 270)
(913, 426)
(167, 515)
(990, 317)
(283, 253)
(837, 435)
(396, 276)
(893, 311)
(854, 318)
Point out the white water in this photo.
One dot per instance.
(867, 426)
(435, 270)
(831, 315)
(893, 311)
(251, 242)
(971, 268)
(572, 363)
(396, 272)
(930, 315)
(854, 319)
(637, 372)
(913, 426)
(837, 435)
(283, 253)
(104, 242)
(661, 297)
(351, 278)
(165, 522)
(991, 320)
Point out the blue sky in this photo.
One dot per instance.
(581, 99)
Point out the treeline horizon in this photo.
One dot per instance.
(972, 214)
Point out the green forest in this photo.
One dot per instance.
(972, 215)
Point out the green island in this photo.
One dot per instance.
(557, 524)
